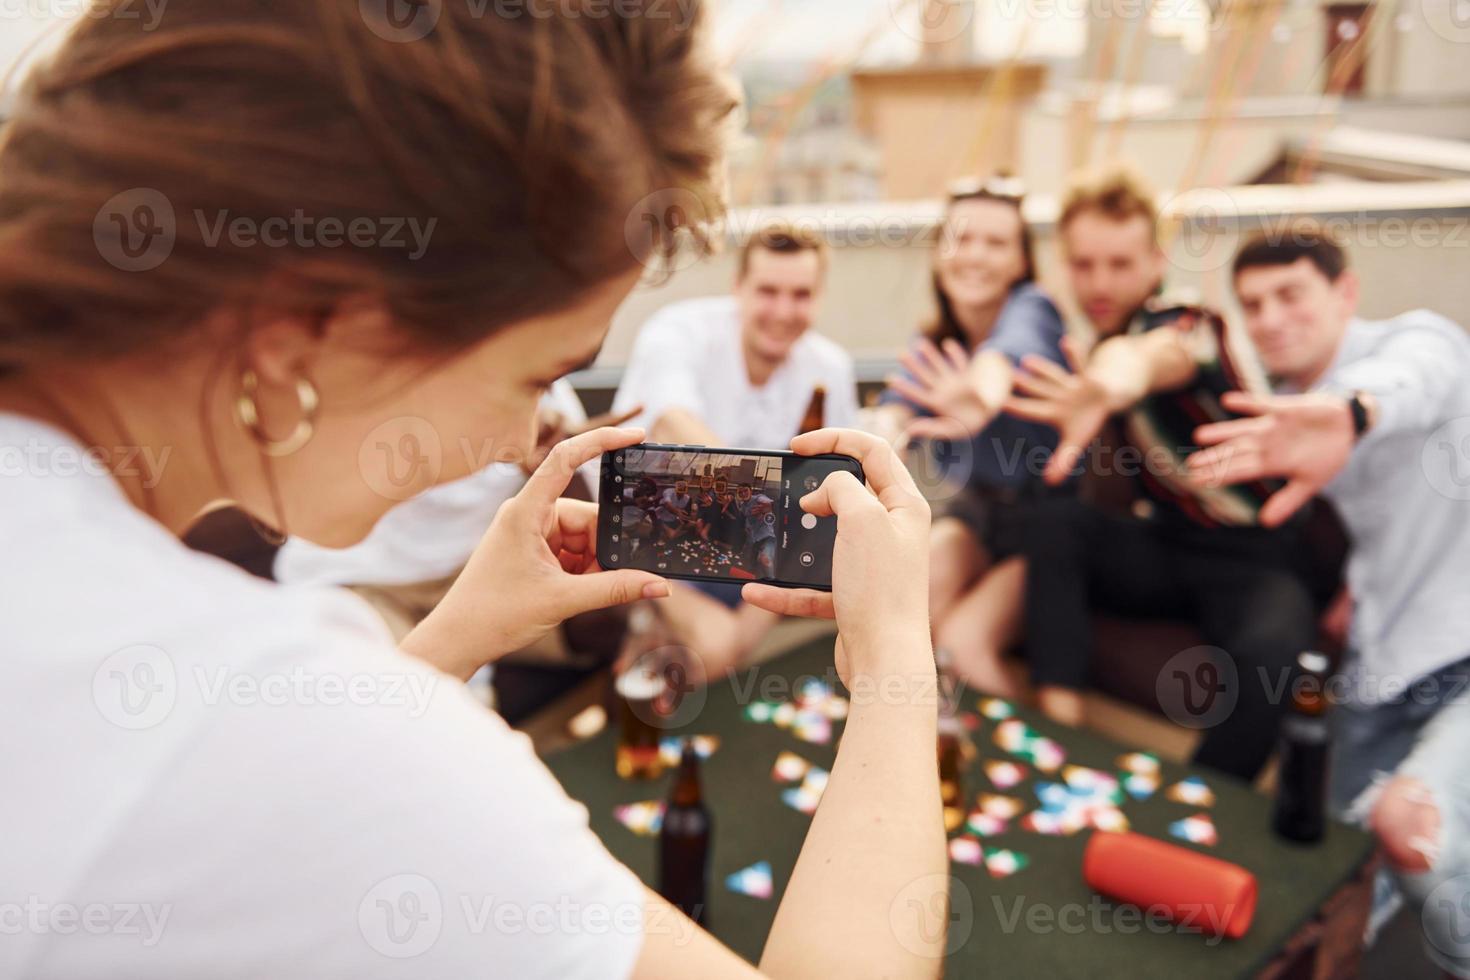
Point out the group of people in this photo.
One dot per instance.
(1231, 441)
(707, 509)
(318, 834)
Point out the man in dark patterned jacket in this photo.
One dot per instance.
(1160, 366)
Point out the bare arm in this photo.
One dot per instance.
(877, 840)
(1129, 369)
(875, 852)
(1120, 373)
(868, 895)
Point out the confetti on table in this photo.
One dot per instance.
(643, 819)
(1140, 786)
(1198, 829)
(671, 747)
(1089, 798)
(817, 706)
(997, 710)
(1191, 791)
(984, 824)
(809, 717)
(1012, 734)
(1004, 807)
(806, 796)
(761, 711)
(970, 720)
(754, 881)
(966, 850)
(1053, 823)
(1053, 796)
(1094, 782)
(587, 722)
(814, 694)
(816, 729)
(789, 768)
(1046, 754)
(1139, 763)
(1016, 737)
(835, 708)
(1109, 819)
(1002, 863)
(1004, 775)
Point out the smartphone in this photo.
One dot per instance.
(717, 515)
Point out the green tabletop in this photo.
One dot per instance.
(1041, 921)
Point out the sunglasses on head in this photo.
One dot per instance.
(998, 187)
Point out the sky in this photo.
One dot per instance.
(786, 30)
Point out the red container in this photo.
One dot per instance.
(1195, 890)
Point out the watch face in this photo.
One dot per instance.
(1360, 413)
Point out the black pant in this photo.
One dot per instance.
(1242, 587)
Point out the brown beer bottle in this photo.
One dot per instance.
(683, 842)
(951, 745)
(816, 411)
(1300, 813)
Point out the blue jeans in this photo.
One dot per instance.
(1423, 734)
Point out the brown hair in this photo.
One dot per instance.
(1005, 190)
(783, 239)
(532, 142)
(1304, 239)
(1118, 195)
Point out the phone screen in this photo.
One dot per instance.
(717, 515)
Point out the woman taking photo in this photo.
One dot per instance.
(957, 378)
(207, 293)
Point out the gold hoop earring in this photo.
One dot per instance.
(247, 413)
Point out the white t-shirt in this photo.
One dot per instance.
(209, 775)
(689, 356)
(431, 536)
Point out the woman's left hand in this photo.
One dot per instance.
(535, 567)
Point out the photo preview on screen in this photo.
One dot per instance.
(718, 515)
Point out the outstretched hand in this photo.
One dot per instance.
(940, 383)
(1065, 399)
(1303, 439)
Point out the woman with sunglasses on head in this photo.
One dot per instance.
(957, 376)
(205, 295)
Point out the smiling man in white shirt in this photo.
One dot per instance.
(740, 370)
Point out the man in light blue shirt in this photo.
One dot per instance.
(1376, 416)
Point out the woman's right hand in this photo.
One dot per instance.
(880, 567)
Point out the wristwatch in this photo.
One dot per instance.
(1362, 418)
